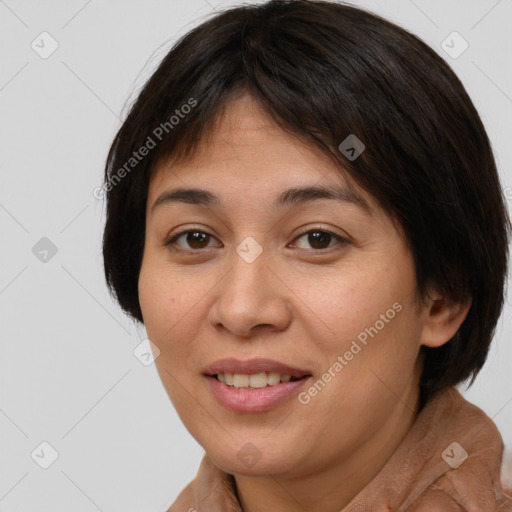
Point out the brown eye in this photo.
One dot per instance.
(319, 239)
(194, 241)
(197, 239)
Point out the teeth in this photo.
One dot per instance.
(257, 380)
(273, 378)
(240, 381)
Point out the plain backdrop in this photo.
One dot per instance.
(68, 374)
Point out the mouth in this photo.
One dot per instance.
(255, 385)
(256, 380)
(254, 373)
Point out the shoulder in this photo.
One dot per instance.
(437, 500)
(470, 450)
(185, 502)
(442, 497)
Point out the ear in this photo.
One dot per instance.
(443, 317)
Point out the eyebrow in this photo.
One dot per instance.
(290, 197)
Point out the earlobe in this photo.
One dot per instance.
(442, 320)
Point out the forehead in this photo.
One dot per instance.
(247, 151)
(244, 132)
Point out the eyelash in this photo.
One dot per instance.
(170, 243)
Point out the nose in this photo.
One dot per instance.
(251, 298)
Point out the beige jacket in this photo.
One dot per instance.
(427, 473)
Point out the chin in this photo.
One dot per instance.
(252, 461)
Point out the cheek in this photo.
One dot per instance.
(153, 298)
(374, 326)
(164, 297)
(161, 302)
(353, 301)
(173, 312)
(364, 382)
(170, 320)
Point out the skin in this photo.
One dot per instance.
(297, 303)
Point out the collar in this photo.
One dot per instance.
(424, 473)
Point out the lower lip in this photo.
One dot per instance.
(253, 400)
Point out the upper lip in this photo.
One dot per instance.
(253, 366)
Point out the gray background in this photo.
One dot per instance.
(68, 375)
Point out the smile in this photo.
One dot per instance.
(254, 381)
(254, 385)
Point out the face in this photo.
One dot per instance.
(317, 288)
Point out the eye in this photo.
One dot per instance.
(320, 239)
(195, 239)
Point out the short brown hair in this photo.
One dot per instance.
(325, 70)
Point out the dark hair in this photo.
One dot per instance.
(324, 71)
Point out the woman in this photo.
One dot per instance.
(304, 211)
